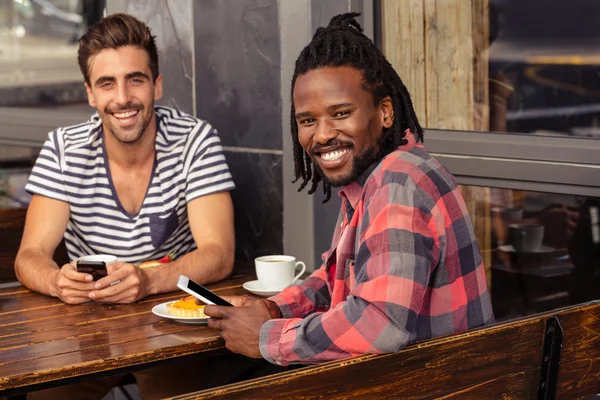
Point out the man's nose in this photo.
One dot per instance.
(325, 131)
(122, 95)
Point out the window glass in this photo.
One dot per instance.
(541, 250)
(38, 50)
(15, 166)
(529, 67)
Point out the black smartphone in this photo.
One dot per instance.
(200, 292)
(95, 268)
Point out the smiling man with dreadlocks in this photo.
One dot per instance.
(404, 264)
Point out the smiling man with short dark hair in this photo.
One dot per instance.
(404, 264)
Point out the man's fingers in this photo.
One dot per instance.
(216, 311)
(236, 301)
(215, 323)
(118, 275)
(115, 290)
(123, 296)
(70, 271)
(73, 296)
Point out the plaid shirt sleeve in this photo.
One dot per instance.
(398, 245)
(301, 300)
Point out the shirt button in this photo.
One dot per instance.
(342, 224)
(277, 362)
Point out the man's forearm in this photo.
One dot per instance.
(209, 263)
(37, 271)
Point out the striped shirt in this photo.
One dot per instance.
(72, 167)
(404, 265)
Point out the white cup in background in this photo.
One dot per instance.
(277, 272)
(108, 259)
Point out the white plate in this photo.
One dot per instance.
(162, 311)
(255, 287)
(508, 248)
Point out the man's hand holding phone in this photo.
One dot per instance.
(71, 286)
(240, 325)
(124, 284)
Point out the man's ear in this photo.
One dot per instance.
(158, 88)
(387, 111)
(90, 95)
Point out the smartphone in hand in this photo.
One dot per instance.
(200, 292)
(95, 268)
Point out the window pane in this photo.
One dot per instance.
(529, 67)
(38, 56)
(15, 166)
(542, 251)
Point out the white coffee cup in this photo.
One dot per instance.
(108, 259)
(277, 272)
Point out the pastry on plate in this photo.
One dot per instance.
(186, 308)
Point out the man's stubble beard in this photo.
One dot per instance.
(359, 164)
(140, 133)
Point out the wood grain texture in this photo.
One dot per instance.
(481, 45)
(12, 222)
(580, 360)
(43, 339)
(403, 44)
(449, 64)
(499, 362)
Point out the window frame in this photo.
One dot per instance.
(552, 164)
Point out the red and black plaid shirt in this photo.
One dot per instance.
(403, 266)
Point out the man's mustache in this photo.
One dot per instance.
(330, 143)
(126, 107)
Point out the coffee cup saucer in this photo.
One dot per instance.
(508, 248)
(256, 288)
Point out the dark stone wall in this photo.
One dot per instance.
(237, 66)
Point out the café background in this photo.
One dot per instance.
(507, 91)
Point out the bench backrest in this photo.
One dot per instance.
(503, 361)
(12, 223)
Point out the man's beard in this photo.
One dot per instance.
(359, 164)
(138, 132)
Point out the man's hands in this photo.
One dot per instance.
(240, 325)
(125, 283)
(71, 286)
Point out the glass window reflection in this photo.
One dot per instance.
(542, 249)
(38, 56)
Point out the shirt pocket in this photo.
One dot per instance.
(162, 227)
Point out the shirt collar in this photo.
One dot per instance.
(352, 192)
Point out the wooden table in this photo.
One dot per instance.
(46, 343)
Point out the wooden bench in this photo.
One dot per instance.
(12, 223)
(514, 360)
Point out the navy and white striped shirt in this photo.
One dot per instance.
(72, 167)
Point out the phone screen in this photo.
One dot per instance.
(95, 268)
(201, 290)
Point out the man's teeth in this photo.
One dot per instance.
(333, 155)
(125, 114)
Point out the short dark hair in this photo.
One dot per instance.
(112, 32)
(342, 43)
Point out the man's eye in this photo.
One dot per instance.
(137, 81)
(106, 85)
(307, 121)
(341, 113)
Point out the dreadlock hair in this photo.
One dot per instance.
(342, 43)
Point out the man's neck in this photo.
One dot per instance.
(132, 155)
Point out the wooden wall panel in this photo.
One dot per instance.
(404, 46)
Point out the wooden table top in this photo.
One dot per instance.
(43, 340)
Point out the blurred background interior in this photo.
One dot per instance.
(509, 92)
